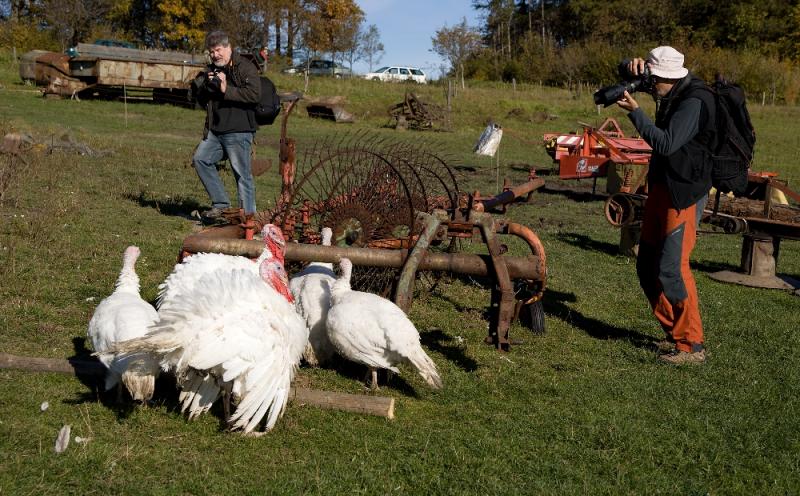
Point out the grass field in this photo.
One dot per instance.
(583, 409)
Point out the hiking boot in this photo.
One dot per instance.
(684, 357)
(665, 345)
(212, 216)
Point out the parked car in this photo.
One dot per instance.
(398, 73)
(320, 68)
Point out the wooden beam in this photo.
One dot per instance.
(356, 403)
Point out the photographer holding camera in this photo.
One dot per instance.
(229, 89)
(679, 178)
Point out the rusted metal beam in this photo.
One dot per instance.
(527, 267)
(405, 285)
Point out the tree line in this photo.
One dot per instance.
(568, 42)
(290, 28)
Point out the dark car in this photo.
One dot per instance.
(114, 43)
(328, 68)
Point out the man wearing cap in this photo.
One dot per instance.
(679, 178)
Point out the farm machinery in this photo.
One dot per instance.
(601, 152)
(756, 216)
(397, 213)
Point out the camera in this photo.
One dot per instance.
(630, 82)
(213, 82)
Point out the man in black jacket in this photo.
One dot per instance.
(229, 90)
(678, 179)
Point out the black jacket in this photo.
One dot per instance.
(687, 169)
(234, 111)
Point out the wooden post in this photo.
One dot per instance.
(125, 100)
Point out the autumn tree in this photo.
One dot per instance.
(332, 25)
(183, 22)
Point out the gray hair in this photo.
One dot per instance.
(216, 38)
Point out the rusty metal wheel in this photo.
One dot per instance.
(368, 190)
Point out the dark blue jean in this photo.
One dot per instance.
(235, 146)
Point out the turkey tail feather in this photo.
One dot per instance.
(426, 368)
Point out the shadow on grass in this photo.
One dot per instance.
(164, 395)
(580, 192)
(555, 305)
(586, 243)
(436, 340)
(711, 267)
(360, 373)
(176, 207)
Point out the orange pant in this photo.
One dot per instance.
(667, 240)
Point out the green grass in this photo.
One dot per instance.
(583, 409)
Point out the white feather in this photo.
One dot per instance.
(311, 289)
(121, 316)
(229, 326)
(373, 331)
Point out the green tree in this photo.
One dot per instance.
(370, 48)
(456, 44)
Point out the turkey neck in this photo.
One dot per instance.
(342, 284)
(327, 234)
(128, 280)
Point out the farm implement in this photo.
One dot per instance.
(397, 213)
(606, 152)
(758, 217)
(601, 152)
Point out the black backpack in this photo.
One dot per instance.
(269, 107)
(736, 138)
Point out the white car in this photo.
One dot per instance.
(398, 73)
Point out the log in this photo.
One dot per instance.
(355, 403)
(381, 406)
(36, 364)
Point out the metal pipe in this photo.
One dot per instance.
(509, 196)
(528, 267)
(537, 252)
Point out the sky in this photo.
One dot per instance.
(407, 26)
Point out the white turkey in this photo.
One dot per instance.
(186, 274)
(125, 315)
(311, 289)
(373, 331)
(233, 331)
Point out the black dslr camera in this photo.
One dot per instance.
(213, 83)
(630, 82)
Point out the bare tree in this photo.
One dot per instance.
(370, 48)
(456, 44)
(73, 20)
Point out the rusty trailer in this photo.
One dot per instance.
(109, 71)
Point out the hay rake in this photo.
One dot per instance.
(395, 210)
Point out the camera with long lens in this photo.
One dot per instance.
(631, 83)
(213, 82)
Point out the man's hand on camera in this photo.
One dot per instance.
(636, 66)
(223, 82)
(628, 102)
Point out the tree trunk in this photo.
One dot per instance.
(290, 35)
(277, 33)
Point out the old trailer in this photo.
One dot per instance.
(88, 69)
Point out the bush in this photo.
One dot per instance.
(24, 37)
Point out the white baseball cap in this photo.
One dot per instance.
(666, 62)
